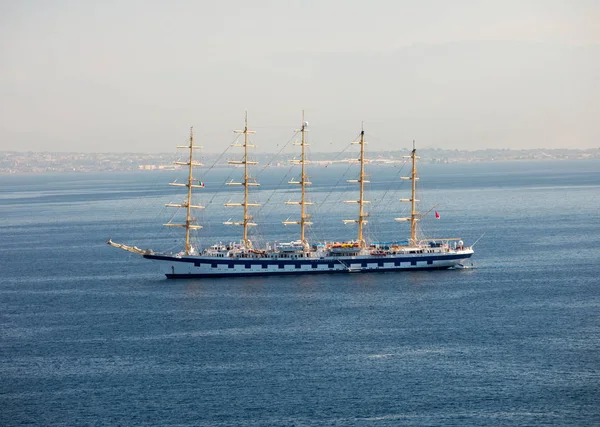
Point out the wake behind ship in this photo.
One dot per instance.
(300, 256)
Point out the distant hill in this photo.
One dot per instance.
(30, 162)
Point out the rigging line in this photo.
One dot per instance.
(322, 205)
(270, 126)
(277, 187)
(318, 208)
(344, 150)
(169, 231)
(285, 176)
(276, 154)
(219, 192)
(478, 239)
(387, 190)
(178, 157)
(223, 183)
(233, 170)
(282, 179)
(330, 207)
(313, 237)
(421, 227)
(222, 154)
(173, 216)
(289, 170)
(141, 199)
(144, 200)
(395, 193)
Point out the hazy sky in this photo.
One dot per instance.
(97, 76)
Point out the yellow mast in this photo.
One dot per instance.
(304, 217)
(247, 221)
(362, 215)
(188, 216)
(303, 182)
(413, 204)
(414, 215)
(189, 219)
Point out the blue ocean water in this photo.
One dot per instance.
(91, 335)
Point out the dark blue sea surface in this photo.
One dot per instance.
(92, 335)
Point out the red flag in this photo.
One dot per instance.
(437, 215)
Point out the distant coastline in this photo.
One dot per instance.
(12, 162)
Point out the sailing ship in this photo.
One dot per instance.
(300, 256)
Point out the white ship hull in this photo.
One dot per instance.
(175, 267)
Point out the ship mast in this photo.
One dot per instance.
(189, 219)
(247, 221)
(362, 215)
(304, 217)
(414, 215)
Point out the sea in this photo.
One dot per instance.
(93, 335)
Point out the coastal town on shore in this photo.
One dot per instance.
(12, 162)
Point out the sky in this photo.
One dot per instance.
(133, 76)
